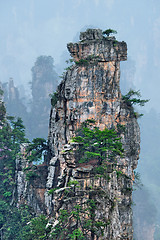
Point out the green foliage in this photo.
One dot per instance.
(100, 170)
(27, 169)
(54, 98)
(69, 61)
(97, 144)
(137, 183)
(109, 31)
(18, 131)
(77, 234)
(138, 115)
(121, 128)
(91, 59)
(1, 93)
(35, 149)
(2, 111)
(37, 229)
(34, 154)
(115, 42)
(73, 182)
(20, 224)
(131, 100)
(51, 191)
(59, 231)
(11, 136)
(82, 62)
(68, 68)
(14, 221)
(119, 173)
(85, 223)
(30, 175)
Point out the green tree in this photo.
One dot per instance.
(37, 229)
(85, 225)
(35, 149)
(97, 144)
(133, 98)
(16, 223)
(109, 31)
(12, 134)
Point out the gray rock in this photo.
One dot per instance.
(91, 34)
(90, 91)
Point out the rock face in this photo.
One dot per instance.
(30, 191)
(90, 90)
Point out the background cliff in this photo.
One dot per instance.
(35, 109)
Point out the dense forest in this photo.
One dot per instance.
(14, 221)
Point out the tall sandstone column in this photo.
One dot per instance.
(90, 90)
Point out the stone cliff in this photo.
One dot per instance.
(89, 90)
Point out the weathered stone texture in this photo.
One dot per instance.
(94, 44)
(30, 192)
(91, 91)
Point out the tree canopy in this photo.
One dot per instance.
(109, 31)
(97, 144)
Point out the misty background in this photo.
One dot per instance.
(33, 28)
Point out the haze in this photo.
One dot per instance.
(31, 28)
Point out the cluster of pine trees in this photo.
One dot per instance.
(15, 223)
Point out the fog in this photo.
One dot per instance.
(31, 28)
